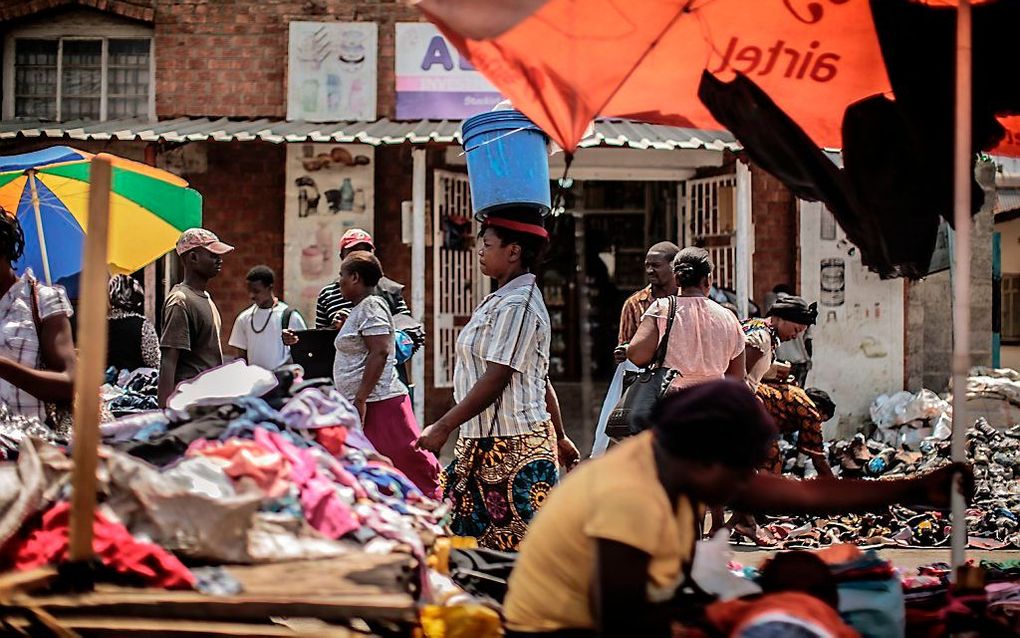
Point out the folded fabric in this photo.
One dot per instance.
(29, 485)
(128, 428)
(780, 614)
(115, 547)
(314, 408)
(247, 460)
(324, 509)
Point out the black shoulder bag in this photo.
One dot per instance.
(630, 416)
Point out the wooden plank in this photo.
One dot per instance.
(26, 581)
(158, 628)
(91, 361)
(194, 606)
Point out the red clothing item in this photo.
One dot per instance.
(114, 545)
(333, 439)
(736, 616)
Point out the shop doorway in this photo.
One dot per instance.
(596, 261)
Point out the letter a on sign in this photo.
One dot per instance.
(437, 53)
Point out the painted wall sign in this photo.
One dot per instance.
(433, 81)
(330, 188)
(331, 71)
(858, 342)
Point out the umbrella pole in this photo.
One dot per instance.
(962, 176)
(39, 228)
(91, 361)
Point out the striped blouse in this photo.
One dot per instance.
(510, 329)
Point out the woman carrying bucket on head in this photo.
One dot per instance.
(510, 437)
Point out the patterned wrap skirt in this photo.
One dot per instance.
(794, 412)
(497, 485)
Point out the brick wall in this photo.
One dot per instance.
(928, 342)
(774, 214)
(243, 200)
(393, 186)
(135, 9)
(229, 57)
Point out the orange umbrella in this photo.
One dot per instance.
(566, 62)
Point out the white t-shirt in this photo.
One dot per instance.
(260, 334)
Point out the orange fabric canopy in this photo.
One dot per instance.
(566, 62)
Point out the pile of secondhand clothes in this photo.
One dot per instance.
(993, 518)
(932, 606)
(228, 480)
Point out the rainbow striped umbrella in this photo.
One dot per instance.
(49, 190)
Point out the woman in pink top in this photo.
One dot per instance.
(705, 342)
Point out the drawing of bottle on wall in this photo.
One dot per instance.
(341, 200)
(312, 51)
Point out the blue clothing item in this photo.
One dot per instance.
(289, 504)
(404, 346)
(245, 430)
(875, 608)
(777, 629)
(150, 431)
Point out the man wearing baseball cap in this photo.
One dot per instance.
(190, 342)
(331, 307)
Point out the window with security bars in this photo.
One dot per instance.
(82, 78)
(1011, 308)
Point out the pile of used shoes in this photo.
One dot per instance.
(993, 518)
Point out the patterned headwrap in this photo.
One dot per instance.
(126, 294)
(795, 309)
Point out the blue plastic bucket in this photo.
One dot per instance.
(507, 162)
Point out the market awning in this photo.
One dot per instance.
(610, 133)
(1007, 204)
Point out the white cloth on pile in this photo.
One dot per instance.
(219, 385)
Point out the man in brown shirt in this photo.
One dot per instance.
(190, 342)
(661, 283)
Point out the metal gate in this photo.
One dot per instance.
(458, 285)
(709, 222)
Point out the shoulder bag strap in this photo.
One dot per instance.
(660, 352)
(472, 465)
(287, 314)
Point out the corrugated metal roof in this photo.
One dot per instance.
(621, 133)
(1006, 200)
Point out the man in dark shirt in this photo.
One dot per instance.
(190, 342)
(331, 307)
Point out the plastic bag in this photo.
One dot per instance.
(711, 569)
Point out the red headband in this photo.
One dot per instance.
(521, 227)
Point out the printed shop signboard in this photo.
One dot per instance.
(331, 71)
(433, 81)
(330, 188)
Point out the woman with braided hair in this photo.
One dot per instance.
(132, 341)
(705, 341)
(37, 357)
